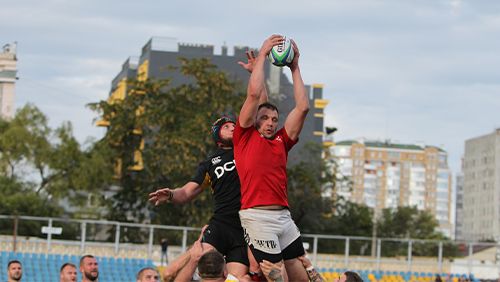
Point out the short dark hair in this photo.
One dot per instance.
(139, 274)
(66, 264)
(268, 105)
(13, 261)
(84, 257)
(351, 276)
(211, 265)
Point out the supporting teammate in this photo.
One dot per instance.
(261, 153)
(224, 232)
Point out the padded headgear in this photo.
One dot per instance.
(217, 125)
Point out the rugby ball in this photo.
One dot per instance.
(282, 54)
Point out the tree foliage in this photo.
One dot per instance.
(170, 127)
(306, 184)
(40, 166)
(409, 222)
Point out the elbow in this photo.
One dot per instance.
(254, 93)
(304, 109)
(168, 274)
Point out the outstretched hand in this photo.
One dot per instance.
(161, 196)
(296, 54)
(268, 44)
(197, 250)
(251, 61)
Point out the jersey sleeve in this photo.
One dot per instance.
(289, 143)
(201, 173)
(241, 134)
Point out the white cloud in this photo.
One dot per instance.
(405, 70)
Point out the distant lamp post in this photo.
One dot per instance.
(328, 141)
(330, 130)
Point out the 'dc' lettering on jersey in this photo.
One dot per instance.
(220, 170)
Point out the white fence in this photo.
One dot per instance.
(120, 239)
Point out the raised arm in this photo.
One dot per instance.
(249, 65)
(180, 195)
(256, 84)
(295, 119)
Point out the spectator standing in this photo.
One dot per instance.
(148, 274)
(67, 273)
(164, 250)
(89, 268)
(14, 271)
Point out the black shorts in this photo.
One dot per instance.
(228, 240)
(294, 250)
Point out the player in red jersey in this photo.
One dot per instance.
(261, 152)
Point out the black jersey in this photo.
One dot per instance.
(220, 169)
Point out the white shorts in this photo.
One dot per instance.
(269, 231)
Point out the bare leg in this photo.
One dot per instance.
(239, 270)
(295, 270)
(284, 274)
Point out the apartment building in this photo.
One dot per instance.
(481, 190)
(388, 175)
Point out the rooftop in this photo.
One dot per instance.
(387, 145)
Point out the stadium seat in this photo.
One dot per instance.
(45, 268)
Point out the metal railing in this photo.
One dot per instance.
(113, 238)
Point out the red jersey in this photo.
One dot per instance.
(261, 165)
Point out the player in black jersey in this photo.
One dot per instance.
(224, 231)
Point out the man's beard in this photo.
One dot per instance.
(90, 277)
(17, 277)
(226, 142)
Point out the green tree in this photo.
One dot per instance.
(306, 184)
(167, 128)
(40, 166)
(348, 219)
(409, 222)
(313, 212)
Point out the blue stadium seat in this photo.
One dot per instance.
(45, 267)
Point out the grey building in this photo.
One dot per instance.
(159, 53)
(459, 207)
(481, 192)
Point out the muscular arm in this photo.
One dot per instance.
(272, 271)
(183, 268)
(195, 252)
(186, 193)
(249, 66)
(180, 195)
(295, 119)
(171, 270)
(256, 91)
(312, 273)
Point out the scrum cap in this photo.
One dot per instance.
(217, 125)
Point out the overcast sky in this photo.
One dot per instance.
(409, 71)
